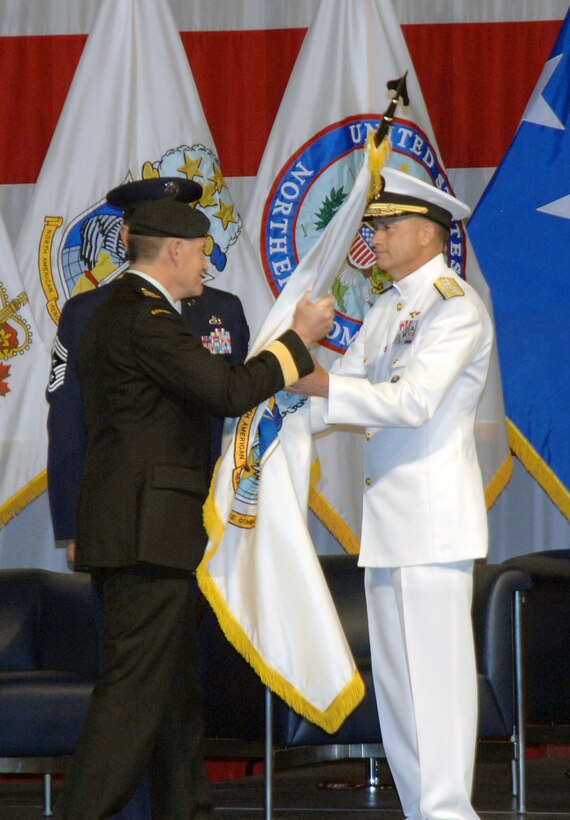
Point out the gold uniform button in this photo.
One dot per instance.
(368, 436)
(399, 306)
(368, 481)
(395, 379)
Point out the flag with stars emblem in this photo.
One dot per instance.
(521, 232)
(126, 117)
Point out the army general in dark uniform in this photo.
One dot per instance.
(149, 388)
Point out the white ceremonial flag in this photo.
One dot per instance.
(24, 364)
(336, 94)
(132, 112)
(260, 572)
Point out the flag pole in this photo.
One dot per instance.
(268, 754)
(401, 96)
(378, 145)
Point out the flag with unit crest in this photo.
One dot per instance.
(132, 112)
(334, 98)
(24, 364)
(260, 572)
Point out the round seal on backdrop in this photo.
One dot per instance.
(310, 189)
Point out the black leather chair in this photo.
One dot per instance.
(48, 664)
(298, 740)
(546, 636)
(499, 594)
(238, 706)
(497, 604)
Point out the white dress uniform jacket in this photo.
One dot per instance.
(413, 377)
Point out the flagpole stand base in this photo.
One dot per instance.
(370, 753)
(371, 781)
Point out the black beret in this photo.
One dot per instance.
(166, 217)
(132, 194)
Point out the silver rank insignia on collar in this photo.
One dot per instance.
(215, 320)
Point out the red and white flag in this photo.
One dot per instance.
(132, 112)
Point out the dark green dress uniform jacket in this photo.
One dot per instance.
(149, 387)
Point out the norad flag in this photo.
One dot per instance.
(132, 112)
(335, 96)
(521, 231)
(260, 572)
(24, 363)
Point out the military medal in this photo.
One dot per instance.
(219, 341)
(406, 332)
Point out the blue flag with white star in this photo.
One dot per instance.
(521, 234)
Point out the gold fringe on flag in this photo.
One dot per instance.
(499, 481)
(336, 713)
(539, 470)
(333, 521)
(328, 516)
(332, 718)
(23, 497)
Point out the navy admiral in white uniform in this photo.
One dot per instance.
(412, 379)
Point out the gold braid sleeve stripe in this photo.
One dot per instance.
(286, 360)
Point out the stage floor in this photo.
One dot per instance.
(308, 793)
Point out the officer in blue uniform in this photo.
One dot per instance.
(216, 317)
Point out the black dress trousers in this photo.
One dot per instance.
(147, 698)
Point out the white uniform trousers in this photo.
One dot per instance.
(425, 679)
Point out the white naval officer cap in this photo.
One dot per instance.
(403, 195)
